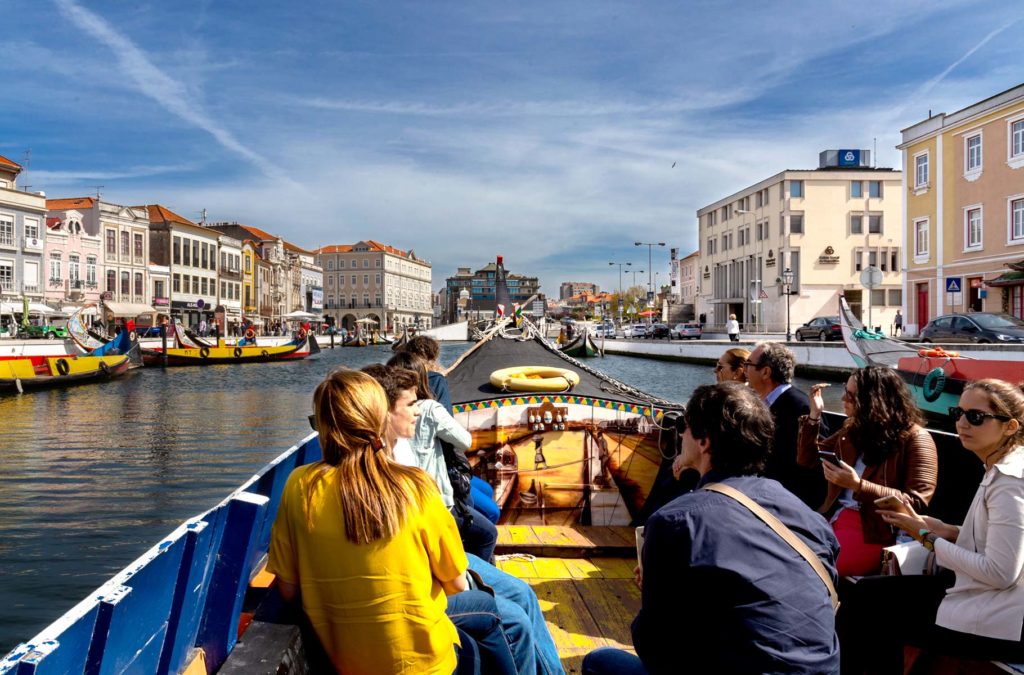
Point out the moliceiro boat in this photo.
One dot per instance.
(936, 377)
(582, 346)
(186, 349)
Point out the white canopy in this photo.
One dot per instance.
(300, 316)
(71, 309)
(33, 308)
(127, 309)
(366, 320)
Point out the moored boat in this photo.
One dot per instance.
(47, 371)
(936, 377)
(188, 350)
(582, 346)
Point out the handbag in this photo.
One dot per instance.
(907, 558)
(460, 475)
(787, 534)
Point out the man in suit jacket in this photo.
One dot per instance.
(770, 373)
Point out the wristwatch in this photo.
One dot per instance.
(928, 538)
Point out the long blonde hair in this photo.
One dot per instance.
(376, 492)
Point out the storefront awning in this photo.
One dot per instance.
(1012, 278)
(127, 309)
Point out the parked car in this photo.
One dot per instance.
(605, 329)
(659, 331)
(149, 331)
(47, 331)
(978, 327)
(822, 328)
(634, 330)
(686, 331)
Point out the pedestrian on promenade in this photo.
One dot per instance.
(732, 327)
(897, 324)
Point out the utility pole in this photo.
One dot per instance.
(620, 264)
(650, 284)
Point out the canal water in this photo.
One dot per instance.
(92, 476)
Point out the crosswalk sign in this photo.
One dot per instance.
(954, 284)
(763, 294)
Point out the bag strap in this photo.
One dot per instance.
(780, 529)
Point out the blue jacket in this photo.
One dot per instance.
(722, 592)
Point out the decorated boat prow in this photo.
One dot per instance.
(560, 442)
(936, 377)
(582, 346)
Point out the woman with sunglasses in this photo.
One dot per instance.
(979, 612)
(730, 366)
(880, 450)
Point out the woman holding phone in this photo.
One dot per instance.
(979, 613)
(881, 450)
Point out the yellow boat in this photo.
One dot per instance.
(56, 371)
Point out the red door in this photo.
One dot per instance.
(922, 306)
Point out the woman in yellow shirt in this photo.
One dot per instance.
(369, 543)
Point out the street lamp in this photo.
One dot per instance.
(635, 272)
(787, 282)
(620, 264)
(650, 287)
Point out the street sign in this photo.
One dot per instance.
(954, 284)
(763, 294)
(871, 277)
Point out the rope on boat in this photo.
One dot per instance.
(507, 557)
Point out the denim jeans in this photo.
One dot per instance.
(479, 536)
(533, 648)
(468, 654)
(476, 613)
(611, 661)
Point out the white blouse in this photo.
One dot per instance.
(988, 557)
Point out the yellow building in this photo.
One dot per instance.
(250, 298)
(964, 219)
(825, 225)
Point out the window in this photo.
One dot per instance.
(195, 254)
(176, 283)
(921, 238)
(176, 248)
(972, 228)
(875, 189)
(894, 259)
(248, 265)
(872, 258)
(921, 171)
(203, 287)
(858, 259)
(111, 244)
(353, 280)
(796, 189)
(223, 289)
(55, 267)
(195, 285)
(125, 282)
(185, 255)
(856, 189)
(796, 224)
(377, 279)
(341, 264)
(1017, 139)
(874, 224)
(7, 230)
(213, 257)
(376, 263)
(158, 289)
(330, 279)
(877, 297)
(366, 263)
(366, 280)
(856, 224)
(137, 245)
(1017, 220)
(125, 245)
(90, 270)
(203, 259)
(330, 264)
(31, 228)
(7, 273)
(73, 268)
(138, 285)
(972, 154)
(895, 297)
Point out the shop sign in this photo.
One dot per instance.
(189, 304)
(828, 257)
(161, 302)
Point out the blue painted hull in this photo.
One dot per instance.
(184, 593)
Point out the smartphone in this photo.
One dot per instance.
(827, 456)
(891, 503)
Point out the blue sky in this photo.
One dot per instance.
(542, 131)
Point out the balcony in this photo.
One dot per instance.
(32, 244)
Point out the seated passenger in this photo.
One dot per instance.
(533, 649)
(882, 450)
(977, 612)
(721, 592)
(731, 366)
(373, 550)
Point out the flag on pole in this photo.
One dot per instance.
(499, 311)
(517, 313)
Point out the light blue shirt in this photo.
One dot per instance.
(434, 425)
(776, 393)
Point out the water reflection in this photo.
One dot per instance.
(93, 476)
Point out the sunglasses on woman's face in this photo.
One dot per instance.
(974, 417)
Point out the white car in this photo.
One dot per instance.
(635, 330)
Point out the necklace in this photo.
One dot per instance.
(993, 453)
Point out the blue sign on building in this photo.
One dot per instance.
(954, 284)
(849, 158)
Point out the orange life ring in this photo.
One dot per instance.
(250, 334)
(302, 333)
(936, 352)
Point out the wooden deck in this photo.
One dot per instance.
(583, 577)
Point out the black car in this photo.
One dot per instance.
(977, 327)
(822, 328)
(659, 331)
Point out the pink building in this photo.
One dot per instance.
(71, 259)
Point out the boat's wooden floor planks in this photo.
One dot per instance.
(569, 541)
(587, 603)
